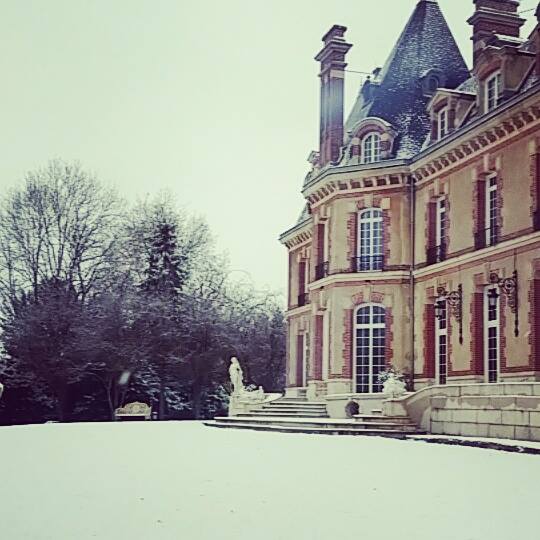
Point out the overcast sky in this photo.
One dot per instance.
(215, 100)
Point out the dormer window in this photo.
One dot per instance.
(493, 88)
(371, 148)
(442, 123)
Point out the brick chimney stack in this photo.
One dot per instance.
(537, 14)
(332, 75)
(494, 17)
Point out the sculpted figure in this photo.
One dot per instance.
(1, 389)
(393, 386)
(236, 375)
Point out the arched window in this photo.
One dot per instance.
(369, 251)
(371, 148)
(369, 347)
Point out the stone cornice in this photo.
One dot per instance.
(507, 121)
(353, 278)
(298, 234)
(478, 256)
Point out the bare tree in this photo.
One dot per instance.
(62, 224)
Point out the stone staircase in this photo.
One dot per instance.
(296, 415)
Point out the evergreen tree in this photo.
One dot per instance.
(166, 272)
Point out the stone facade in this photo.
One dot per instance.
(482, 170)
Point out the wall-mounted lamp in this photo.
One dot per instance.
(455, 301)
(509, 287)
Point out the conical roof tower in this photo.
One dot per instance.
(398, 93)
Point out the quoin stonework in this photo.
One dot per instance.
(419, 243)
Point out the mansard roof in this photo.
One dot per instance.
(397, 94)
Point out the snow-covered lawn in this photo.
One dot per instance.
(184, 481)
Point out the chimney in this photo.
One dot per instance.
(332, 75)
(537, 14)
(494, 17)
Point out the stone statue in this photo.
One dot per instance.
(237, 376)
(1, 389)
(393, 386)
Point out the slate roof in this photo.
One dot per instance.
(397, 97)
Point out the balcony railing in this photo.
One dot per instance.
(370, 263)
(486, 237)
(436, 254)
(536, 220)
(322, 270)
(303, 299)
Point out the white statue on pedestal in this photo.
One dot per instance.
(242, 398)
(393, 386)
(237, 376)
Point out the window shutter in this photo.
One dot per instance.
(480, 233)
(320, 243)
(477, 333)
(302, 278)
(535, 330)
(432, 233)
(355, 248)
(429, 341)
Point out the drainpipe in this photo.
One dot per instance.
(411, 270)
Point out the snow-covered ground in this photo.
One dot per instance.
(184, 481)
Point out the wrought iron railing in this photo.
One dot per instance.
(369, 263)
(436, 254)
(486, 237)
(303, 299)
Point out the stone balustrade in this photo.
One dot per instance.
(504, 410)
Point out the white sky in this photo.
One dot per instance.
(215, 100)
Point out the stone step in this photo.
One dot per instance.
(336, 429)
(376, 418)
(306, 421)
(310, 422)
(282, 414)
(298, 402)
(295, 407)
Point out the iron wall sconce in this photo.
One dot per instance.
(509, 287)
(454, 299)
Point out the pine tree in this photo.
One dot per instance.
(166, 272)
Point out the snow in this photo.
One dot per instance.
(182, 480)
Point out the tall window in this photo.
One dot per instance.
(441, 342)
(440, 229)
(491, 333)
(369, 347)
(371, 148)
(369, 254)
(443, 123)
(491, 211)
(493, 91)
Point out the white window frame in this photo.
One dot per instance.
(491, 209)
(492, 91)
(370, 326)
(442, 115)
(370, 237)
(441, 331)
(371, 148)
(494, 324)
(440, 221)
